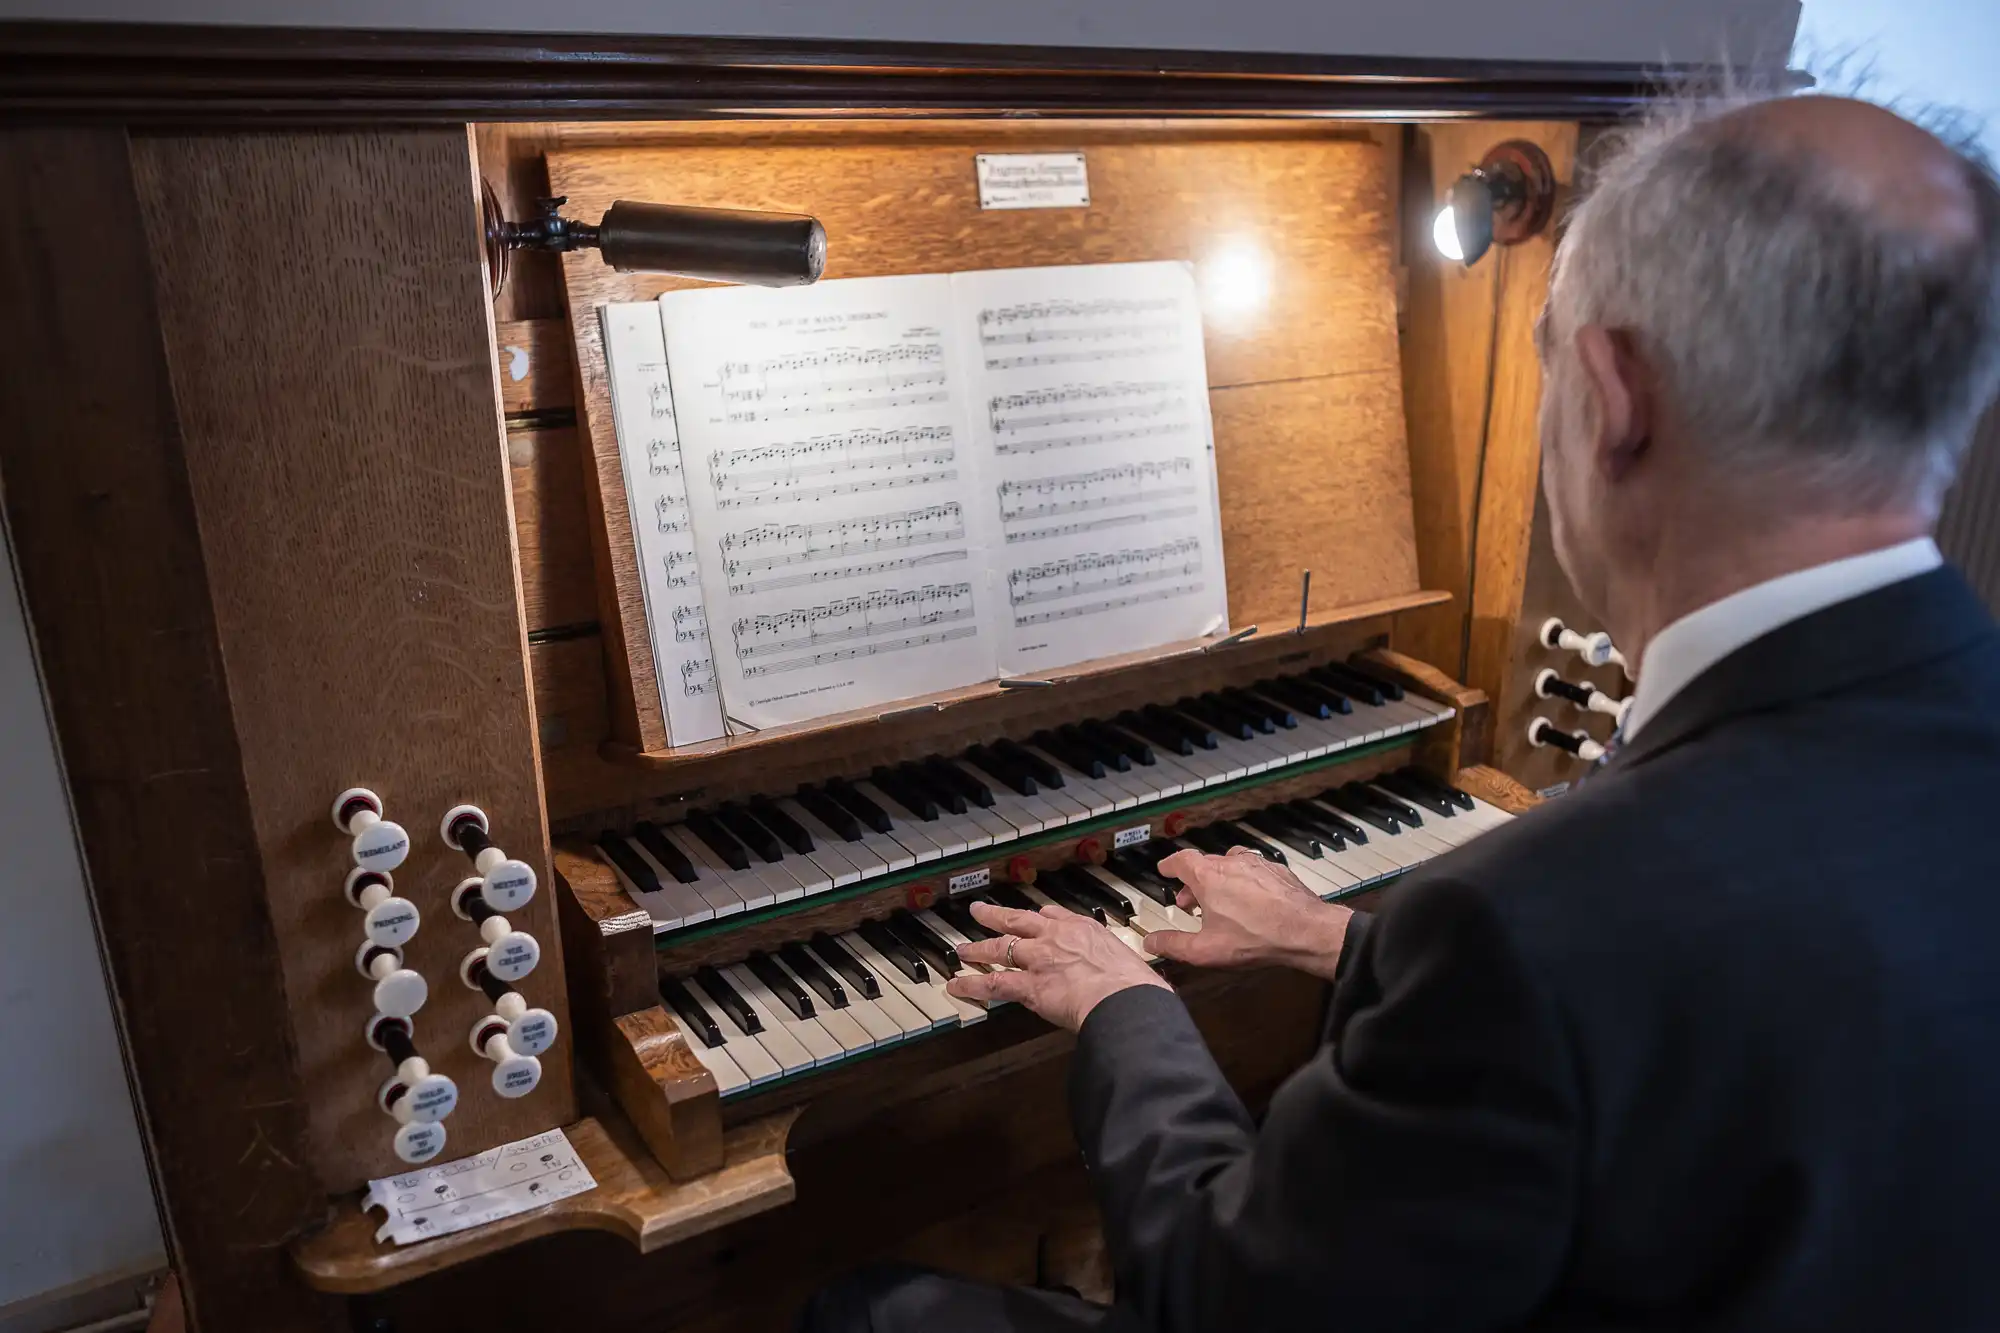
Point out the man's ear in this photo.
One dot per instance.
(1622, 387)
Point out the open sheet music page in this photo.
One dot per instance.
(1087, 398)
(832, 494)
(642, 406)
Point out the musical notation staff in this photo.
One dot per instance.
(833, 382)
(862, 570)
(660, 403)
(690, 624)
(670, 514)
(1079, 405)
(1098, 488)
(846, 628)
(682, 571)
(698, 678)
(1148, 517)
(850, 463)
(1094, 571)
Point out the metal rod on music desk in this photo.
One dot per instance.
(1238, 637)
(1011, 683)
(739, 722)
(1305, 600)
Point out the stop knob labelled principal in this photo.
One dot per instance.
(417, 1099)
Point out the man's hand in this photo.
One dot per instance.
(1253, 913)
(1064, 964)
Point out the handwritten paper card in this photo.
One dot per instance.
(500, 1182)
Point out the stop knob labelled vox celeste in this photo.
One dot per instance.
(513, 1035)
(501, 885)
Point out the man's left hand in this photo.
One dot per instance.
(1064, 965)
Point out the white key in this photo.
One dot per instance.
(676, 904)
(749, 1055)
(827, 855)
(889, 1002)
(929, 999)
(991, 823)
(1454, 828)
(729, 1075)
(927, 839)
(864, 863)
(712, 882)
(1490, 815)
(870, 1024)
(842, 1023)
(1147, 915)
(753, 887)
(1127, 936)
(880, 847)
(1026, 814)
(1096, 799)
(1123, 788)
(781, 1035)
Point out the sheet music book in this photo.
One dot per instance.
(903, 485)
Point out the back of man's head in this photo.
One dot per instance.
(1813, 284)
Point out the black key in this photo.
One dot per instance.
(1347, 828)
(1372, 815)
(1258, 722)
(1172, 739)
(950, 775)
(1429, 800)
(1076, 756)
(1055, 886)
(718, 840)
(837, 956)
(1286, 692)
(1207, 839)
(1196, 732)
(1136, 869)
(1123, 742)
(1311, 688)
(681, 1000)
(808, 970)
(1222, 720)
(1108, 751)
(851, 800)
(1337, 677)
(899, 955)
(1416, 777)
(922, 780)
(925, 941)
(790, 994)
(1269, 711)
(957, 913)
(912, 799)
(1243, 838)
(1094, 890)
(673, 858)
(1317, 822)
(749, 832)
(1388, 805)
(1010, 896)
(1017, 778)
(773, 817)
(828, 812)
(1274, 825)
(1042, 770)
(717, 988)
(1380, 680)
(620, 854)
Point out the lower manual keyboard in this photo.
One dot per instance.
(828, 998)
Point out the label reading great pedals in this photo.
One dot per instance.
(500, 1182)
(1033, 180)
(971, 879)
(1132, 837)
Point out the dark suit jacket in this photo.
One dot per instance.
(1711, 1043)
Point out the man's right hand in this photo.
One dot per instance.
(1254, 913)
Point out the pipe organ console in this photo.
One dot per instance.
(345, 517)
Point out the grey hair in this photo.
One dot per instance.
(1795, 332)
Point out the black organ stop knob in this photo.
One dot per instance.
(1595, 649)
(509, 954)
(1550, 685)
(1542, 732)
(417, 1099)
(510, 884)
(378, 844)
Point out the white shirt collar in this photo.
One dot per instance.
(1697, 641)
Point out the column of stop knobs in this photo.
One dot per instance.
(1596, 650)
(511, 1037)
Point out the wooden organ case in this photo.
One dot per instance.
(298, 505)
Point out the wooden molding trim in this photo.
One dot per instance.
(1467, 739)
(1496, 788)
(183, 73)
(670, 1096)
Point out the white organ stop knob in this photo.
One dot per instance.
(386, 919)
(1543, 732)
(417, 1140)
(510, 884)
(413, 1092)
(510, 954)
(399, 992)
(378, 844)
(1549, 684)
(1595, 649)
(514, 1074)
(529, 1030)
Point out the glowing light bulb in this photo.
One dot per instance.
(1444, 234)
(1236, 280)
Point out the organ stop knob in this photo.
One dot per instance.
(510, 954)
(1549, 684)
(510, 884)
(1542, 732)
(378, 844)
(529, 1031)
(413, 1096)
(514, 1074)
(1595, 649)
(399, 992)
(386, 919)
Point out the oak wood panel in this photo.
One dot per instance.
(551, 528)
(113, 580)
(1496, 788)
(537, 361)
(1313, 474)
(666, 1092)
(1311, 219)
(607, 937)
(634, 1201)
(347, 468)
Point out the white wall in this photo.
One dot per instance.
(1615, 30)
(75, 1202)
